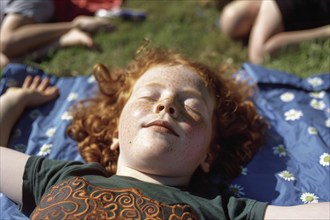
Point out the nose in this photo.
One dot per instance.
(166, 106)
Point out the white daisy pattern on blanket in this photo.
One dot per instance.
(315, 81)
(317, 95)
(327, 123)
(72, 96)
(91, 79)
(50, 132)
(280, 150)
(293, 114)
(287, 97)
(66, 116)
(287, 175)
(312, 130)
(244, 171)
(325, 159)
(237, 190)
(45, 149)
(316, 104)
(308, 197)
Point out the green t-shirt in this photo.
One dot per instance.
(72, 190)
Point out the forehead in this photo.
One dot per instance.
(175, 76)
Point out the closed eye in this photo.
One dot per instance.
(193, 113)
(148, 98)
(196, 107)
(193, 109)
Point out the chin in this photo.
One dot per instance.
(154, 153)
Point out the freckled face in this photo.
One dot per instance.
(166, 126)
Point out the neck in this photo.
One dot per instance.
(151, 178)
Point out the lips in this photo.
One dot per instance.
(163, 126)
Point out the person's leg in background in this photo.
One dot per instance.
(268, 23)
(238, 17)
(269, 33)
(18, 31)
(26, 32)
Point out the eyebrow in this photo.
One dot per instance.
(146, 85)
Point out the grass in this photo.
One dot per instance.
(189, 27)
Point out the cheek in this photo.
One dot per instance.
(198, 135)
(131, 117)
(136, 111)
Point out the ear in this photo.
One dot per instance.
(209, 158)
(115, 141)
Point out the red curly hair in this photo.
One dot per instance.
(237, 125)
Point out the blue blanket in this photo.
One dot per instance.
(292, 168)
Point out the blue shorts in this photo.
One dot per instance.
(39, 10)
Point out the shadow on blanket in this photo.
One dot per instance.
(292, 167)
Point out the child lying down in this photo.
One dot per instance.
(156, 130)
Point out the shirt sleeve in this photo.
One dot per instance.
(41, 174)
(240, 208)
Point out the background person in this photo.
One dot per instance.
(35, 26)
(272, 24)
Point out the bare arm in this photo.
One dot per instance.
(307, 211)
(33, 92)
(12, 163)
(293, 37)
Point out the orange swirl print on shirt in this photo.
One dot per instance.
(76, 198)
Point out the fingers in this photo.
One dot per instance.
(27, 82)
(43, 85)
(36, 83)
(52, 92)
(35, 91)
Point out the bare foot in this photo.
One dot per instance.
(92, 24)
(76, 37)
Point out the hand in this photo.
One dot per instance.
(34, 91)
(91, 24)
